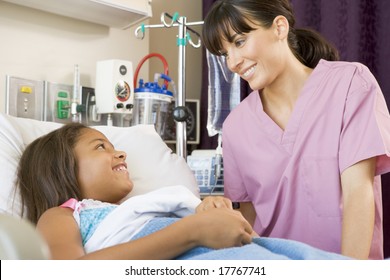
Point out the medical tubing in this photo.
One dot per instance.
(218, 162)
(162, 76)
(76, 84)
(163, 60)
(110, 121)
(174, 91)
(76, 94)
(166, 79)
(218, 157)
(87, 107)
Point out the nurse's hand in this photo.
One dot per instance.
(219, 228)
(211, 202)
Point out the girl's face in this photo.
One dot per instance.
(102, 171)
(256, 56)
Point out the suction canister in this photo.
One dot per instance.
(151, 104)
(152, 101)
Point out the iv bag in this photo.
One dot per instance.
(223, 92)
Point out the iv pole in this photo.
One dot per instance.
(180, 112)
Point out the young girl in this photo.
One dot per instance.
(79, 162)
(304, 151)
(71, 181)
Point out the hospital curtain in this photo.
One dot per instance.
(360, 31)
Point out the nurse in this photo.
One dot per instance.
(303, 153)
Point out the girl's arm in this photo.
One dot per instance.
(358, 209)
(246, 208)
(217, 228)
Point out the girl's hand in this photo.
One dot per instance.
(212, 202)
(221, 228)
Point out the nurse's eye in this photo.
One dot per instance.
(239, 42)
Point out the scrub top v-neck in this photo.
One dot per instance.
(292, 176)
(286, 137)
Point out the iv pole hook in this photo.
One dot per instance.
(173, 18)
(183, 37)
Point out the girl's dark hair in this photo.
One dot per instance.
(47, 171)
(307, 45)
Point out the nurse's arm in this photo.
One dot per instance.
(248, 211)
(358, 209)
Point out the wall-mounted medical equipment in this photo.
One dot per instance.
(113, 13)
(58, 100)
(114, 87)
(192, 123)
(89, 115)
(52, 102)
(152, 100)
(202, 163)
(25, 98)
(40, 100)
(180, 112)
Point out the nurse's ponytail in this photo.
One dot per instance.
(309, 47)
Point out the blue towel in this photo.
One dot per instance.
(260, 249)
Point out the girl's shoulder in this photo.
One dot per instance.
(86, 203)
(61, 232)
(56, 219)
(56, 213)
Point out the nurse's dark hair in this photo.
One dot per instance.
(307, 45)
(47, 171)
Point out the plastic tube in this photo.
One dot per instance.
(76, 94)
(163, 60)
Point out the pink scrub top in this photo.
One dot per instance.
(292, 176)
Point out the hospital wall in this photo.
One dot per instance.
(42, 46)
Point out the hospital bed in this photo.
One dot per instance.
(147, 154)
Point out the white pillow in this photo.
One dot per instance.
(151, 162)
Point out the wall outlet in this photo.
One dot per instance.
(25, 98)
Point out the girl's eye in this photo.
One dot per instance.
(100, 147)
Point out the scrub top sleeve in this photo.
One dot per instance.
(366, 124)
(234, 188)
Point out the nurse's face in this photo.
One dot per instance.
(102, 170)
(256, 56)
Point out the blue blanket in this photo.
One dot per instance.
(261, 248)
